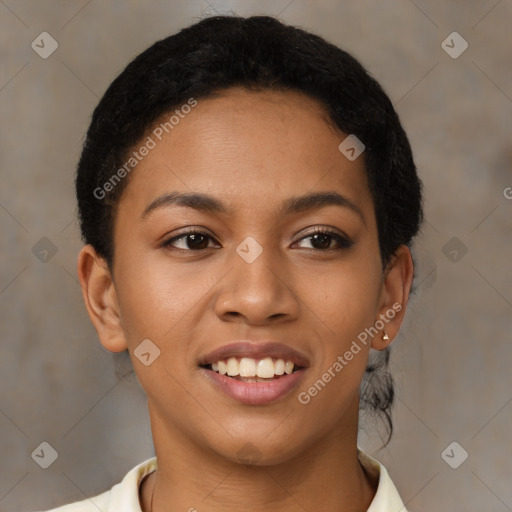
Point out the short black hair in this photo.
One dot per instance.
(256, 53)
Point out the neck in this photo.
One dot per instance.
(327, 476)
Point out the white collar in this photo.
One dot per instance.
(125, 495)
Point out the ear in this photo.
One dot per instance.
(100, 299)
(396, 288)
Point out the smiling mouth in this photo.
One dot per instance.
(247, 369)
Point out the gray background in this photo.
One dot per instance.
(452, 359)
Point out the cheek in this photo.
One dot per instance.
(344, 296)
(152, 302)
(344, 305)
(342, 301)
(162, 300)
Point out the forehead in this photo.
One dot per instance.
(246, 146)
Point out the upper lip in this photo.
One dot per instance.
(255, 351)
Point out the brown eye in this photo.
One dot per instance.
(190, 241)
(322, 240)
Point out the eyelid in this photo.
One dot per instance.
(343, 240)
(188, 231)
(319, 228)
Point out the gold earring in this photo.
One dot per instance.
(385, 337)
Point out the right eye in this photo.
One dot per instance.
(192, 240)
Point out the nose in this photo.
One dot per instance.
(257, 293)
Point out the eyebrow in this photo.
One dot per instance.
(208, 203)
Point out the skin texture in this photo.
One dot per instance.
(251, 151)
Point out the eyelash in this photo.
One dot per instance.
(343, 242)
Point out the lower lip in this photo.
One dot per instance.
(255, 393)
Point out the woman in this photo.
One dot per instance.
(248, 199)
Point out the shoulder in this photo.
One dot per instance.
(386, 498)
(123, 496)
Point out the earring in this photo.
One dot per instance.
(385, 337)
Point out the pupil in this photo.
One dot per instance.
(324, 240)
(196, 241)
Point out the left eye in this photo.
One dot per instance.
(322, 240)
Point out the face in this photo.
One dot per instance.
(274, 261)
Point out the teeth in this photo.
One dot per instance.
(233, 367)
(279, 367)
(266, 368)
(252, 370)
(247, 367)
(223, 368)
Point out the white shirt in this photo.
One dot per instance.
(124, 496)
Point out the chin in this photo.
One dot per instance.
(252, 449)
